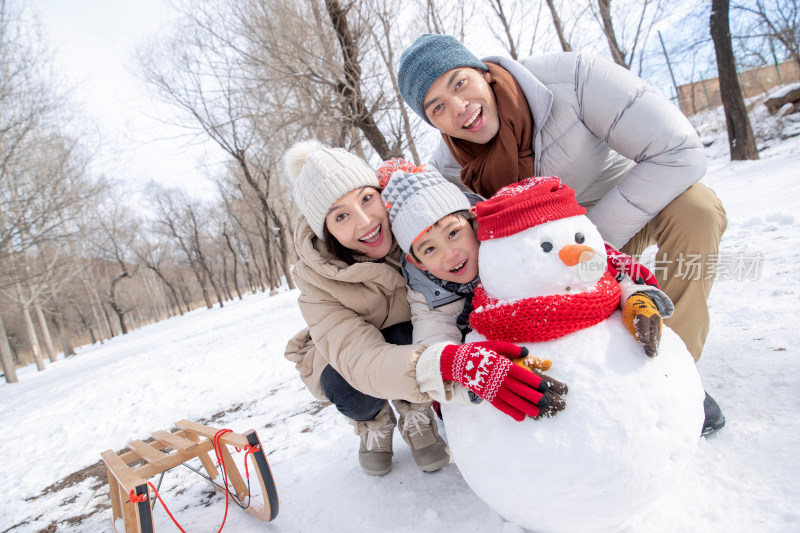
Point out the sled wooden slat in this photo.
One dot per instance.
(174, 441)
(148, 453)
(128, 472)
(232, 439)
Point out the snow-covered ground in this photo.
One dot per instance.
(227, 365)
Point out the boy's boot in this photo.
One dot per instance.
(375, 451)
(418, 428)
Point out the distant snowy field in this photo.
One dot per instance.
(227, 365)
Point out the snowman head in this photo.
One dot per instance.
(536, 241)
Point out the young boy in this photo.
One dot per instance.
(433, 225)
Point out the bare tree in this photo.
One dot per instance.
(386, 13)
(635, 20)
(740, 133)
(350, 88)
(154, 254)
(208, 84)
(559, 27)
(776, 20)
(43, 186)
(499, 11)
(115, 247)
(181, 219)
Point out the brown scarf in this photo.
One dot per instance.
(508, 157)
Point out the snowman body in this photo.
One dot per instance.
(631, 423)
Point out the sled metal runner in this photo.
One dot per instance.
(130, 471)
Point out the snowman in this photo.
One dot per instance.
(631, 422)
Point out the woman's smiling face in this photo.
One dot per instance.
(360, 222)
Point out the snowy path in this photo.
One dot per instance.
(745, 478)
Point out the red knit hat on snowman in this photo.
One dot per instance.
(525, 204)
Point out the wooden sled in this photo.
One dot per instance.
(129, 471)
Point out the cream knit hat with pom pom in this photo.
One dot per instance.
(321, 176)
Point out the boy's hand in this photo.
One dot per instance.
(644, 322)
(485, 368)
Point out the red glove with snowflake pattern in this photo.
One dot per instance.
(485, 369)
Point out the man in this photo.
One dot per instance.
(633, 159)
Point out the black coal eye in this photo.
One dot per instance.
(579, 238)
(547, 246)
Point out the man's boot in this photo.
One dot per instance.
(714, 417)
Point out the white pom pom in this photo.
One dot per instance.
(297, 156)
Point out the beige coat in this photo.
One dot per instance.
(345, 308)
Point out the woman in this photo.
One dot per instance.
(357, 351)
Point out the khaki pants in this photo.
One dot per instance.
(687, 232)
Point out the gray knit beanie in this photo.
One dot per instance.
(416, 201)
(423, 62)
(322, 175)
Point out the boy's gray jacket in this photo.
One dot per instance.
(626, 150)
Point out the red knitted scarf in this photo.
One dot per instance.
(545, 317)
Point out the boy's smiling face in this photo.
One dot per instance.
(448, 250)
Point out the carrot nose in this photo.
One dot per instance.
(572, 254)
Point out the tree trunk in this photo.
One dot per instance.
(198, 274)
(48, 340)
(169, 285)
(34, 341)
(565, 46)
(112, 301)
(100, 319)
(608, 30)
(63, 335)
(740, 134)
(6, 357)
(235, 264)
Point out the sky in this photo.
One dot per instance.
(95, 45)
(228, 364)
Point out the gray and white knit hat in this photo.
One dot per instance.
(321, 176)
(416, 201)
(423, 62)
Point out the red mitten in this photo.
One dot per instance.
(619, 262)
(485, 369)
